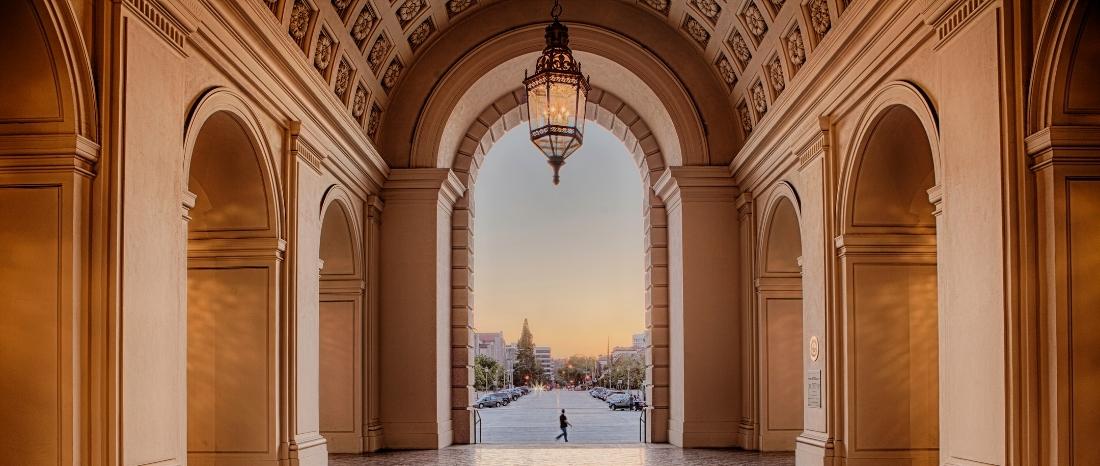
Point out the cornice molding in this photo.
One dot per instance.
(165, 19)
(697, 184)
(420, 184)
(948, 18)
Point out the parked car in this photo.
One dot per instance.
(619, 401)
(639, 404)
(501, 397)
(487, 401)
(514, 394)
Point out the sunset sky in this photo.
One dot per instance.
(569, 258)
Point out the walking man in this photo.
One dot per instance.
(564, 422)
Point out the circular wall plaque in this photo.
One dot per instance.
(814, 349)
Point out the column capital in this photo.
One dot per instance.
(413, 184)
(696, 183)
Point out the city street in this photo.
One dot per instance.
(534, 419)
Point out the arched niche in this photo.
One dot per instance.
(1066, 68)
(49, 87)
(890, 335)
(341, 326)
(779, 323)
(234, 260)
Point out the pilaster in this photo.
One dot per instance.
(704, 319)
(416, 306)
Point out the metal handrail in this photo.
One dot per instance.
(477, 425)
(641, 425)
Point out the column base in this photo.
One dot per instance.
(811, 450)
(418, 435)
(657, 428)
(702, 434)
(462, 420)
(746, 435)
(374, 439)
(308, 450)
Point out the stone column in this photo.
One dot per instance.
(462, 315)
(747, 435)
(415, 345)
(704, 319)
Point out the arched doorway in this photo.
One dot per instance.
(342, 327)
(889, 277)
(779, 324)
(234, 259)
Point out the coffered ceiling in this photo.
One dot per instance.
(361, 48)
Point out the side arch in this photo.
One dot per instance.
(890, 97)
(1058, 57)
(784, 192)
(337, 197)
(222, 101)
(43, 37)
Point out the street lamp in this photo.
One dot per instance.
(556, 97)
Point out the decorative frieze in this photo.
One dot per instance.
(746, 117)
(819, 17)
(740, 49)
(341, 7)
(323, 52)
(161, 20)
(364, 24)
(696, 31)
(759, 100)
(725, 69)
(796, 48)
(301, 15)
(660, 6)
(409, 10)
(710, 9)
(754, 21)
(421, 34)
(392, 74)
(775, 75)
(378, 52)
(375, 122)
(954, 19)
(344, 74)
(359, 103)
(456, 7)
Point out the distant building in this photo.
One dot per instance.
(542, 355)
(493, 346)
(625, 351)
(510, 360)
(640, 340)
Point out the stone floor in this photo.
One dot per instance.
(519, 434)
(572, 455)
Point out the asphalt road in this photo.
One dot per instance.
(534, 419)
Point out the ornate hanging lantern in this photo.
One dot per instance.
(556, 97)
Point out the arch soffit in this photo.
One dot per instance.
(895, 93)
(1051, 65)
(336, 196)
(72, 73)
(605, 109)
(223, 100)
(688, 89)
(783, 192)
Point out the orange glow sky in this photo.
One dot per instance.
(569, 258)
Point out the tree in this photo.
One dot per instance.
(487, 373)
(577, 369)
(527, 369)
(624, 372)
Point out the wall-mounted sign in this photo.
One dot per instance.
(813, 388)
(815, 350)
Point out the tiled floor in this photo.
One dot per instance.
(541, 455)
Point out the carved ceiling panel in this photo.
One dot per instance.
(748, 43)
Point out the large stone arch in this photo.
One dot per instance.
(619, 118)
(887, 343)
(696, 104)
